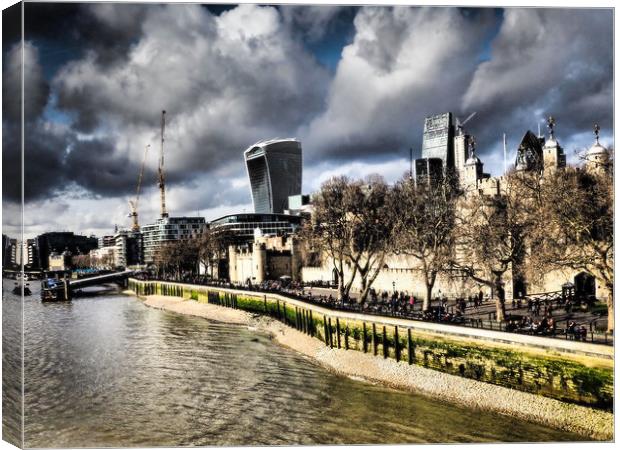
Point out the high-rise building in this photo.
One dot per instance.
(167, 229)
(438, 139)
(462, 144)
(428, 170)
(105, 241)
(31, 254)
(128, 248)
(274, 169)
(58, 242)
(530, 153)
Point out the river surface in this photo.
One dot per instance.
(109, 371)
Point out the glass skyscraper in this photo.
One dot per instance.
(274, 169)
(438, 139)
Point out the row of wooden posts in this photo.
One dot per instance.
(375, 340)
(304, 322)
(227, 300)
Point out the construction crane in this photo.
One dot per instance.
(162, 184)
(133, 205)
(459, 124)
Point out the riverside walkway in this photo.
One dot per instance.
(587, 327)
(469, 332)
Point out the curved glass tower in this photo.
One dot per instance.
(274, 169)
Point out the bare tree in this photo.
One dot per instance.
(424, 221)
(211, 246)
(372, 220)
(574, 214)
(490, 237)
(81, 261)
(330, 232)
(176, 257)
(352, 226)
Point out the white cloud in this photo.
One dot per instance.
(545, 62)
(404, 64)
(226, 81)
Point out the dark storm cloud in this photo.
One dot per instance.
(231, 77)
(225, 81)
(43, 143)
(36, 90)
(44, 170)
(545, 62)
(94, 165)
(404, 64)
(71, 28)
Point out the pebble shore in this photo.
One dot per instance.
(595, 424)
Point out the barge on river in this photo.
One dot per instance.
(54, 290)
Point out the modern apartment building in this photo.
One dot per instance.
(167, 229)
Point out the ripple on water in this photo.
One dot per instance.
(109, 371)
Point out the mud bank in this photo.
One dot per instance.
(593, 423)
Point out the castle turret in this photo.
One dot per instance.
(597, 156)
(259, 260)
(553, 154)
(472, 170)
(232, 263)
(296, 261)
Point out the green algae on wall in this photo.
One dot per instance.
(551, 376)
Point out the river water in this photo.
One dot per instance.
(109, 371)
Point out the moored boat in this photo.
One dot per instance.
(52, 290)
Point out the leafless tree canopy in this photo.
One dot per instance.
(490, 237)
(353, 226)
(423, 226)
(573, 215)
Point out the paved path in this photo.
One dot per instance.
(487, 309)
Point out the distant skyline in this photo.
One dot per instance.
(353, 84)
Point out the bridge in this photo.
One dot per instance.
(100, 279)
(63, 289)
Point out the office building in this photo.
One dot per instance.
(105, 241)
(428, 170)
(274, 170)
(128, 248)
(239, 228)
(462, 145)
(299, 204)
(168, 229)
(438, 139)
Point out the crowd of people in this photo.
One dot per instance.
(538, 320)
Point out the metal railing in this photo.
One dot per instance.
(438, 314)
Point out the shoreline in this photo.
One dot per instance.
(588, 422)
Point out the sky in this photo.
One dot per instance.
(353, 84)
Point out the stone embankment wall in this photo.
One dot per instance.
(569, 371)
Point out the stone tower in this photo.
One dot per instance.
(597, 156)
(553, 154)
(259, 260)
(461, 153)
(472, 170)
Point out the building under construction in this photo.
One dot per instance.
(166, 228)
